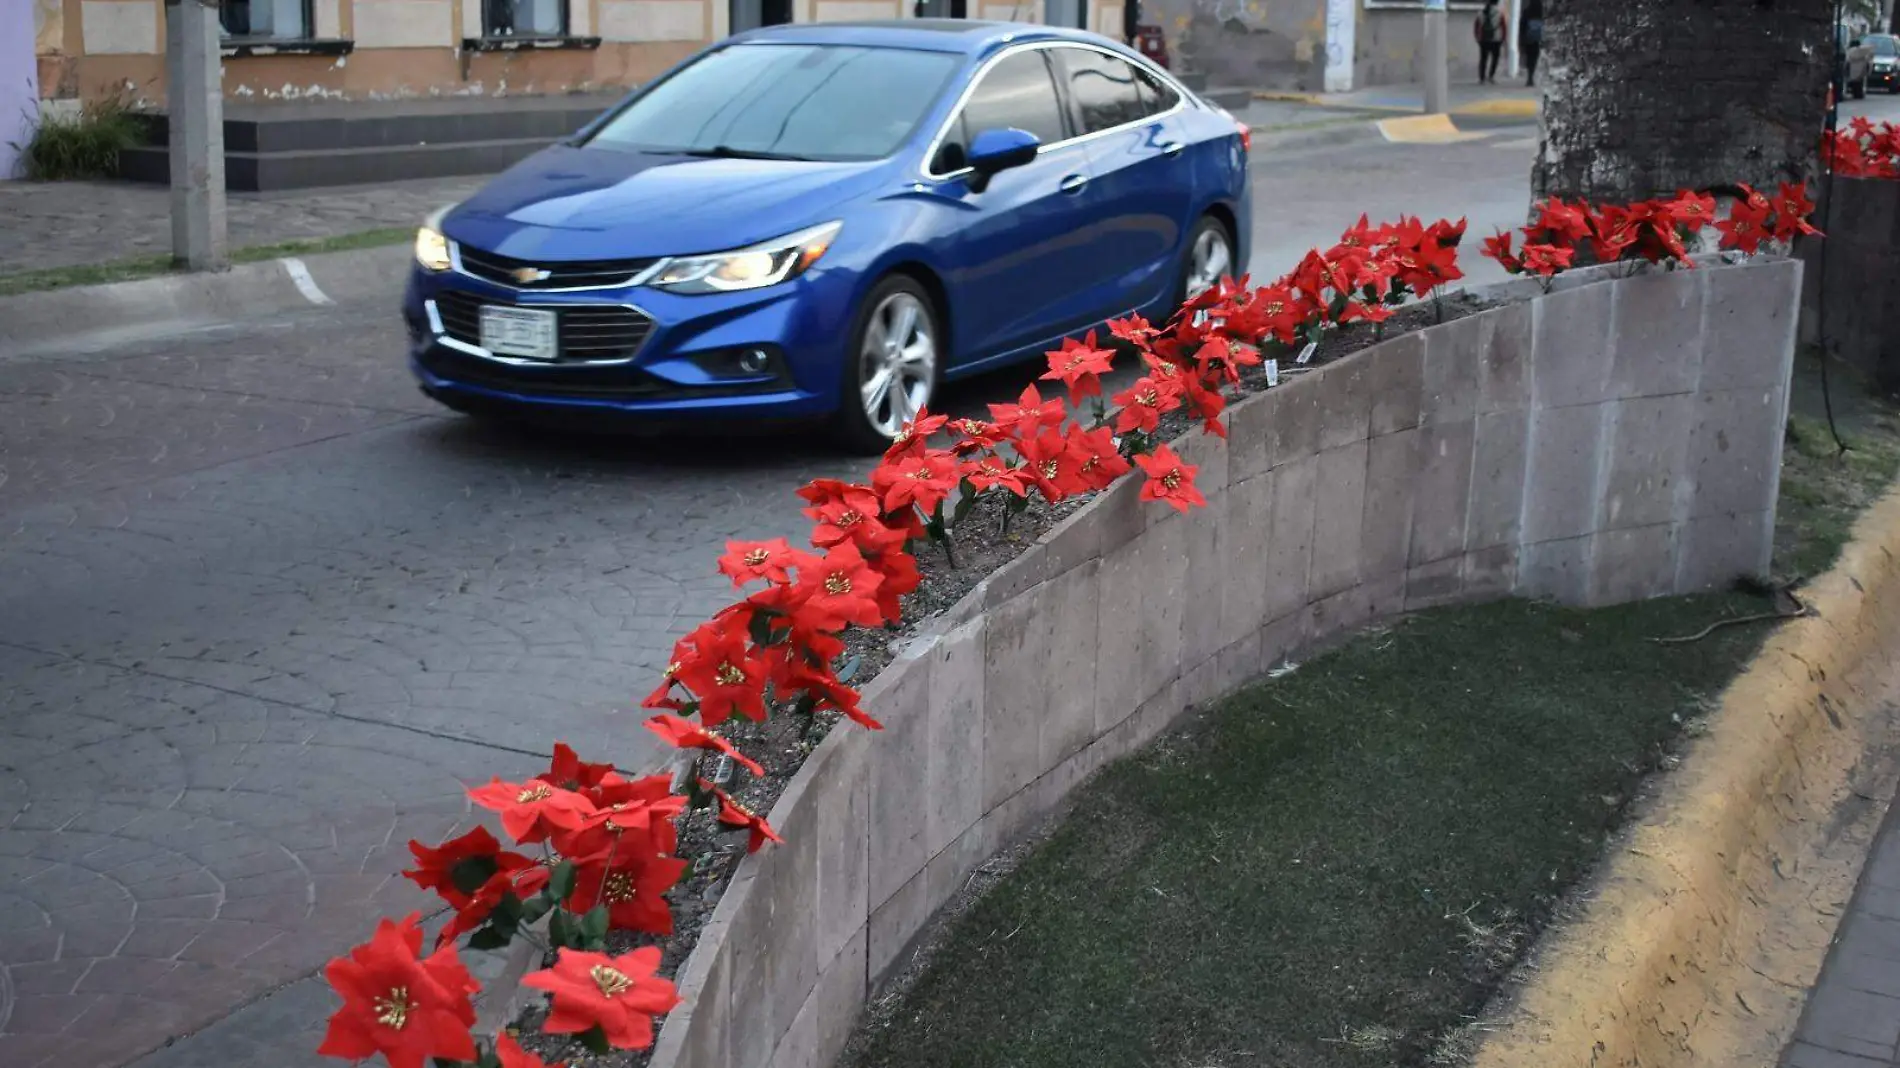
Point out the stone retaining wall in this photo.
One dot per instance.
(1862, 247)
(1613, 440)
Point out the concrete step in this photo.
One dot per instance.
(1193, 79)
(1229, 98)
(265, 172)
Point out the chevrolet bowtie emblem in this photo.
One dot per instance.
(530, 275)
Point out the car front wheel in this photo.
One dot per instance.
(892, 365)
(1208, 259)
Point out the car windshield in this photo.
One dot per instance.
(784, 101)
(1884, 46)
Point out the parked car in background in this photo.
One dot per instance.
(822, 222)
(1873, 61)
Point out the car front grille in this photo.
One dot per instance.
(585, 332)
(618, 382)
(574, 274)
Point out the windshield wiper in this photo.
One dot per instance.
(729, 152)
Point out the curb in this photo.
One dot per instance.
(1327, 135)
(60, 319)
(1708, 927)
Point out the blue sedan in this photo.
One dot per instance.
(822, 223)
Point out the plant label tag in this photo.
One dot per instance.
(1273, 372)
(722, 771)
(1307, 352)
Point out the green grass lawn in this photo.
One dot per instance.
(1336, 868)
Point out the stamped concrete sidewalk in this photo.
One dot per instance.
(70, 224)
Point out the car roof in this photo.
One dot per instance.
(968, 36)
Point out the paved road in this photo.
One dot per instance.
(264, 611)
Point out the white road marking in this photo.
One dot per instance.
(306, 285)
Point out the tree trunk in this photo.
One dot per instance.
(1645, 97)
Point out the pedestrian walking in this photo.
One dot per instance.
(1489, 30)
(1530, 37)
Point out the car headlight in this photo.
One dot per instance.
(765, 264)
(432, 249)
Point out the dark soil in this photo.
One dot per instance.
(783, 742)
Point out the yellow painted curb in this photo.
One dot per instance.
(1710, 923)
(1526, 109)
(1291, 97)
(1424, 130)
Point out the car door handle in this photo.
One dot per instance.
(1171, 148)
(1073, 184)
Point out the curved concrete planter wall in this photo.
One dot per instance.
(1614, 440)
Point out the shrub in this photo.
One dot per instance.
(87, 145)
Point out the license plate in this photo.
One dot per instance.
(525, 332)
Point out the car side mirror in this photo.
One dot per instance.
(992, 151)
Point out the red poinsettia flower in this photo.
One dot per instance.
(734, 814)
(511, 1055)
(523, 884)
(1690, 209)
(1206, 403)
(1282, 313)
(1792, 208)
(989, 471)
(1144, 403)
(751, 561)
(397, 1004)
(1098, 461)
(1169, 480)
(1498, 247)
(632, 882)
(901, 577)
(974, 435)
(1050, 467)
(1135, 330)
(921, 480)
(643, 808)
(1746, 226)
(685, 734)
(1562, 224)
(460, 867)
(619, 995)
(718, 667)
(915, 433)
(1029, 414)
(842, 587)
(1371, 312)
(1080, 365)
(568, 771)
(1546, 260)
(795, 624)
(534, 810)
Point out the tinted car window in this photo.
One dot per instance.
(1017, 93)
(822, 102)
(1883, 46)
(1102, 89)
(1156, 95)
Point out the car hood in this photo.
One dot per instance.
(595, 203)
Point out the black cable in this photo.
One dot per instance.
(1838, 80)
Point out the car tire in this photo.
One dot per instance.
(870, 416)
(1208, 233)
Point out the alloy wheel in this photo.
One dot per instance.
(897, 365)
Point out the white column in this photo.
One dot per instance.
(194, 115)
(1437, 78)
(1341, 31)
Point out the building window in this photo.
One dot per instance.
(275, 20)
(524, 18)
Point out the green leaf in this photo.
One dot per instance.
(488, 938)
(595, 1040)
(561, 881)
(849, 669)
(561, 930)
(761, 629)
(472, 873)
(964, 503)
(594, 927)
(509, 908)
(537, 907)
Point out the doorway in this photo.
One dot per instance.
(1072, 13)
(751, 14)
(941, 9)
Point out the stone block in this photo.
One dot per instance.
(893, 925)
(1247, 541)
(753, 950)
(1209, 571)
(897, 814)
(1633, 565)
(1241, 663)
(1295, 431)
(1339, 513)
(1209, 457)
(1752, 314)
(1452, 354)
(1392, 470)
(791, 897)
(1442, 496)
(1008, 582)
(1119, 513)
(839, 791)
(1504, 365)
(1071, 543)
(1251, 434)
(1118, 637)
(1070, 673)
(1281, 641)
(1016, 697)
(830, 1013)
(1163, 613)
(1560, 491)
(1490, 573)
(703, 1024)
(1398, 375)
(1555, 570)
(1644, 467)
(1735, 451)
(1330, 619)
(1500, 455)
(1385, 594)
(949, 871)
(1289, 553)
(953, 777)
(1440, 582)
(1658, 329)
(1571, 359)
(1716, 550)
(1344, 395)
